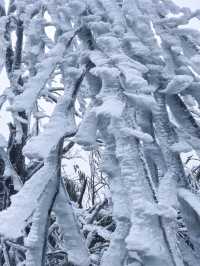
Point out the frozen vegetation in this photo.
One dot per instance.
(101, 165)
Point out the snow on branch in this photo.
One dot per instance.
(24, 203)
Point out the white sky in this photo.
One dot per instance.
(193, 4)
